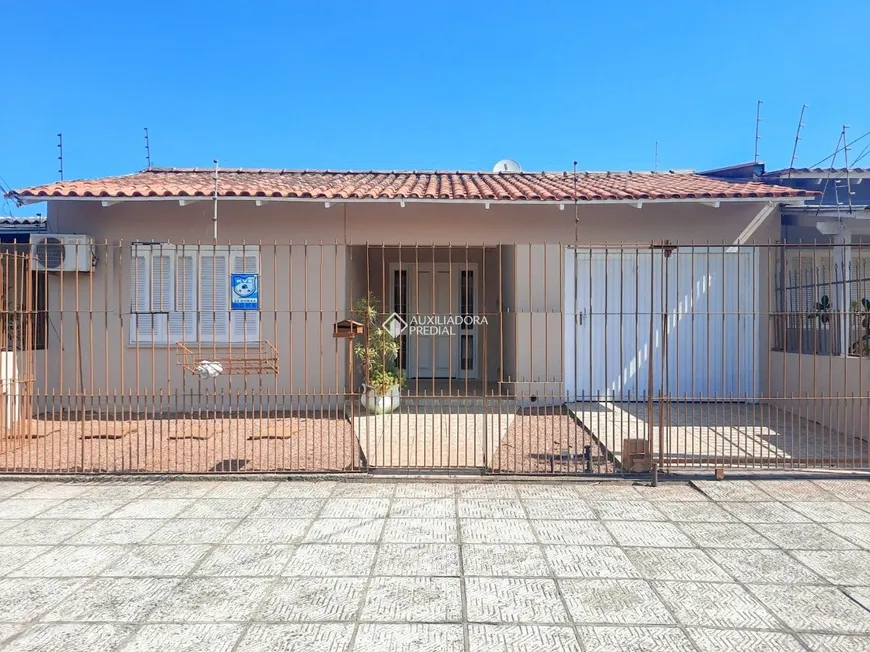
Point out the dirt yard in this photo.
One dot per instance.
(299, 442)
(547, 440)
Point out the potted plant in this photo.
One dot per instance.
(861, 312)
(379, 354)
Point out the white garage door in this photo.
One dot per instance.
(690, 318)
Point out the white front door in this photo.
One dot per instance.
(433, 296)
(638, 322)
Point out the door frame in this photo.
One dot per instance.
(455, 342)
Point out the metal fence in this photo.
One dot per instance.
(505, 359)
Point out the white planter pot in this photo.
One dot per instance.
(381, 404)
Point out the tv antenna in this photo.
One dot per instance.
(60, 155)
(846, 149)
(797, 137)
(757, 128)
(215, 217)
(147, 149)
(656, 159)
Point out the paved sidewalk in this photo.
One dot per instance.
(380, 565)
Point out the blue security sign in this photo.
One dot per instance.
(246, 291)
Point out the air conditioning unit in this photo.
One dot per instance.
(52, 252)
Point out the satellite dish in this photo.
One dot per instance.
(507, 165)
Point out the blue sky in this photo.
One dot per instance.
(447, 85)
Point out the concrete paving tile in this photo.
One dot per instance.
(331, 559)
(570, 532)
(718, 605)
(18, 508)
(70, 638)
(559, 509)
(364, 489)
(813, 608)
(667, 492)
(657, 535)
(425, 490)
(113, 599)
(7, 631)
(695, 512)
(56, 490)
(618, 602)
(313, 599)
(794, 490)
(686, 564)
(423, 508)
(9, 488)
(193, 530)
(413, 599)
(182, 489)
(606, 491)
(861, 595)
(487, 491)
(436, 559)
(420, 530)
(836, 643)
(634, 639)
(513, 600)
(11, 557)
(153, 508)
(156, 560)
(119, 531)
(36, 532)
(492, 531)
(213, 599)
(25, 599)
(89, 508)
(70, 561)
(288, 508)
(769, 512)
(242, 489)
(262, 531)
(725, 535)
(857, 533)
(303, 489)
(803, 536)
(123, 490)
(832, 512)
(764, 566)
(522, 638)
(549, 492)
(504, 560)
(298, 638)
(736, 640)
(346, 530)
(842, 567)
(626, 510)
(490, 508)
(209, 507)
(241, 560)
(847, 489)
(355, 508)
(742, 491)
(588, 561)
(420, 637)
(188, 637)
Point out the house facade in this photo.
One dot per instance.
(577, 284)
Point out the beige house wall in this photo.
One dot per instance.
(826, 389)
(307, 287)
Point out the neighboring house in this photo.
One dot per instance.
(526, 250)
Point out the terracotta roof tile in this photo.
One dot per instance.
(325, 184)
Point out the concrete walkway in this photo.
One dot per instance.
(456, 433)
(379, 565)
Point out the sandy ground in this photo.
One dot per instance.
(546, 440)
(305, 442)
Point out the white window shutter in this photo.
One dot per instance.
(183, 324)
(140, 273)
(162, 278)
(145, 327)
(214, 290)
(245, 324)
